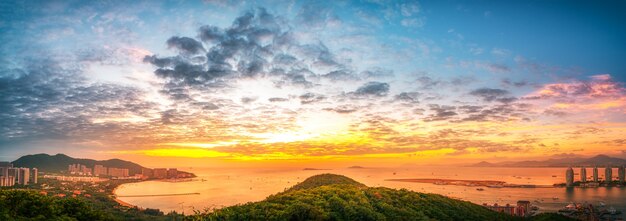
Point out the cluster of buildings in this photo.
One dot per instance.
(160, 173)
(98, 170)
(608, 176)
(521, 209)
(10, 175)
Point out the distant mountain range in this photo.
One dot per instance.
(59, 162)
(599, 160)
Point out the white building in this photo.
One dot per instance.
(569, 177)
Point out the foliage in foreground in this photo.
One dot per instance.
(30, 205)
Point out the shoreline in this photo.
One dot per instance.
(121, 202)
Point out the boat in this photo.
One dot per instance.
(480, 189)
(555, 198)
(553, 175)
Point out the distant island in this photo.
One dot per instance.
(309, 168)
(599, 160)
(356, 167)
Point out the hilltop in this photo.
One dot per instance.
(59, 162)
(336, 197)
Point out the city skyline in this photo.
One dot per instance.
(338, 83)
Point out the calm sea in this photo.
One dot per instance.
(224, 187)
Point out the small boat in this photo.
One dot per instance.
(480, 189)
(555, 198)
(553, 175)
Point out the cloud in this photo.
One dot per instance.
(600, 92)
(309, 97)
(373, 88)
(493, 94)
(441, 112)
(186, 45)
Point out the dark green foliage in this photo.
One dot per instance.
(30, 205)
(323, 180)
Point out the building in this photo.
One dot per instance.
(569, 177)
(23, 176)
(621, 172)
(99, 170)
(595, 174)
(160, 173)
(172, 173)
(608, 174)
(147, 173)
(34, 175)
(118, 172)
(78, 169)
(523, 206)
(583, 174)
(7, 174)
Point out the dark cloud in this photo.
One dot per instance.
(441, 112)
(185, 45)
(277, 99)
(341, 75)
(46, 100)
(308, 98)
(257, 44)
(373, 88)
(493, 94)
(343, 109)
(410, 97)
(508, 82)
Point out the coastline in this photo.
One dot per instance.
(121, 202)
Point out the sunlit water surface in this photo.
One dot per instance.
(225, 187)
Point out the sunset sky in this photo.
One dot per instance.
(395, 82)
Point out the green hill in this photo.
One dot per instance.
(336, 197)
(324, 180)
(59, 162)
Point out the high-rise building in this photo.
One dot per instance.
(608, 174)
(583, 174)
(569, 177)
(23, 176)
(7, 174)
(172, 173)
(621, 172)
(160, 173)
(34, 175)
(99, 170)
(595, 174)
(118, 172)
(147, 173)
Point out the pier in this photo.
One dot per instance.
(168, 194)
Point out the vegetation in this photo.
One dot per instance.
(321, 197)
(334, 197)
(57, 200)
(324, 180)
(30, 205)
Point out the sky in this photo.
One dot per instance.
(214, 83)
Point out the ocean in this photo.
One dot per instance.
(220, 187)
